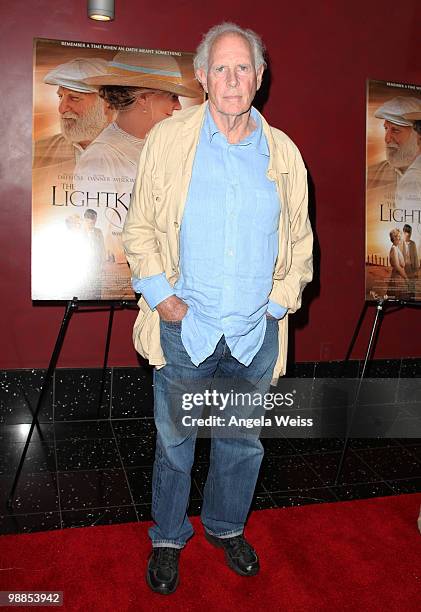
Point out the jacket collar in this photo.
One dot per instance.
(193, 122)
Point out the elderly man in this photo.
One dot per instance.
(220, 245)
(400, 147)
(83, 114)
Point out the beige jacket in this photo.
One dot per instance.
(151, 230)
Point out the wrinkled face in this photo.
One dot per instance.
(401, 144)
(161, 104)
(231, 80)
(82, 115)
(75, 102)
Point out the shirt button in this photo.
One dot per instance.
(175, 224)
(157, 199)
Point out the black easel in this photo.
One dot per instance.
(382, 304)
(71, 307)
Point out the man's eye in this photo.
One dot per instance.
(243, 68)
(219, 69)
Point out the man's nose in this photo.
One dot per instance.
(232, 78)
(388, 138)
(177, 105)
(64, 106)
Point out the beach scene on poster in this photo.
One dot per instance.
(393, 191)
(93, 106)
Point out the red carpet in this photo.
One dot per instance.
(360, 556)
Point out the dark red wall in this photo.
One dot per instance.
(321, 54)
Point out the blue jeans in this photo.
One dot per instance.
(234, 461)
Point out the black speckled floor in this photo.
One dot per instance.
(99, 472)
(90, 462)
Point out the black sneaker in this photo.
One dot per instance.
(162, 573)
(240, 556)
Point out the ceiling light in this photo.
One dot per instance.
(101, 10)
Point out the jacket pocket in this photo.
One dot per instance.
(146, 334)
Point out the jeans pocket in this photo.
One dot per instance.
(170, 323)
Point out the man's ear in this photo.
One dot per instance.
(259, 75)
(202, 78)
(110, 113)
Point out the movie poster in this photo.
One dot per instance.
(393, 191)
(93, 105)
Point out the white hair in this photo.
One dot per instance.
(201, 59)
(87, 126)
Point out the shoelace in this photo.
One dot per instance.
(167, 557)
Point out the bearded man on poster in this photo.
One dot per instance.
(220, 245)
(83, 114)
(400, 147)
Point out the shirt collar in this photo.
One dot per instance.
(256, 139)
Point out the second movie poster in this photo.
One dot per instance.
(93, 107)
(393, 191)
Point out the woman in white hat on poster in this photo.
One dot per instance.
(143, 89)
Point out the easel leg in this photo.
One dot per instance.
(356, 332)
(376, 324)
(71, 306)
(107, 350)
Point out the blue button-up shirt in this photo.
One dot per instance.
(228, 247)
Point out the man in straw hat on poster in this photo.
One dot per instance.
(220, 245)
(83, 114)
(142, 89)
